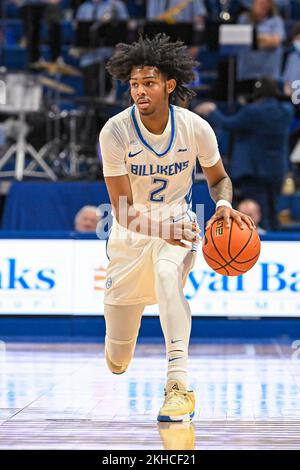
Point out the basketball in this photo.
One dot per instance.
(230, 251)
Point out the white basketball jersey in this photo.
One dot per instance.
(161, 168)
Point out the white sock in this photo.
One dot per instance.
(175, 318)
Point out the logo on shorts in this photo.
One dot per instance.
(108, 283)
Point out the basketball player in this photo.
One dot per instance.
(149, 154)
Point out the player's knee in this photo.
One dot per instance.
(167, 276)
(118, 355)
(115, 368)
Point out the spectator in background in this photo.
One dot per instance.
(284, 6)
(260, 153)
(291, 71)
(98, 9)
(291, 84)
(253, 210)
(136, 8)
(92, 61)
(266, 60)
(193, 11)
(33, 13)
(87, 219)
(1, 41)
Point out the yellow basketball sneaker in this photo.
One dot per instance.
(177, 436)
(179, 404)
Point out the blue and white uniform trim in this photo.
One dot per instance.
(144, 142)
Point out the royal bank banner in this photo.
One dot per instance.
(68, 277)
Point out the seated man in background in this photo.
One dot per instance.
(252, 208)
(87, 219)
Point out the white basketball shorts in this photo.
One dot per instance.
(132, 257)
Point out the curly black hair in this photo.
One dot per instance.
(171, 58)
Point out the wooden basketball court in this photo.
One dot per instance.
(62, 396)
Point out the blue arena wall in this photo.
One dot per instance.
(90, 327)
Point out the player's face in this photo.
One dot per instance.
(149, 89)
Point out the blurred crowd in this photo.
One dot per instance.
(252, 101)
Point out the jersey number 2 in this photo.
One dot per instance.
(155, 195)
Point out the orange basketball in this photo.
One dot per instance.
(230, 251)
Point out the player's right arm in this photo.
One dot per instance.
(120, 194)
(121, 197)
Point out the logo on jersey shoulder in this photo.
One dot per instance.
(130, 155)
(108, 283)
(182, 150)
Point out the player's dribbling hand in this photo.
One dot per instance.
(226, 213)
(184, 230)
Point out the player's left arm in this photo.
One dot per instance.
(219, 183)
(220, 189)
